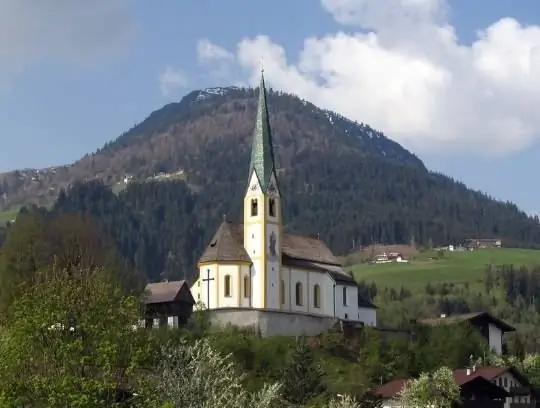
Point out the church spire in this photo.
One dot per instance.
(262, 153)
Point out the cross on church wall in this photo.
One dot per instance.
(208, 279)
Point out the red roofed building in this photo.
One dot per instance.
(480, 387)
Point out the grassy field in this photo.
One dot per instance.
(456, 267)
(6, 216)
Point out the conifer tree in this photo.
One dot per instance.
(302, 377)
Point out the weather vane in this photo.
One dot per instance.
(262, 65)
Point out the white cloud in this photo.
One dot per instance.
(215, 59)
(412, 78)
(171, 79)
(207, 51)
(70, 31)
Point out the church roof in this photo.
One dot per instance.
(262, 153)
(227, 244)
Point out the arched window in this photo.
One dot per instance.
(298, 294)
(227, 288)
(254, 207)
(272, 207)
(317, 296)
(344, 296)
(247, 287)
(282, 291)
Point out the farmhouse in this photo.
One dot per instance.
(480, 243)
(389, 257)
(167, 303)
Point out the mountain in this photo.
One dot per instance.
(341, 180)
(217, 121)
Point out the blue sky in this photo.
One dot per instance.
(74, 77)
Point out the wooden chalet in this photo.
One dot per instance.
(168, 303)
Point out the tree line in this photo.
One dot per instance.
(161, 228)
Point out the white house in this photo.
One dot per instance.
(489, 326)
(255, 265)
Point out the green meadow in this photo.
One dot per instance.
(454, 267)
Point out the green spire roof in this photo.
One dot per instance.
(262, 153)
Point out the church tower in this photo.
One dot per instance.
(262, 214)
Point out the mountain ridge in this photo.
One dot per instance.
(342, 181)
(43, 185)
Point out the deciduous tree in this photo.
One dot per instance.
(196, 375)
(70, 340)
(437, 389)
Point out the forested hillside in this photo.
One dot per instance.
(161, 228)
(343, 181)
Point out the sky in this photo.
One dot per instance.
(455, 81)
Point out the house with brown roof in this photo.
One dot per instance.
(489, 326)
(480, 387)
(256, 265)
(481, 243)
(167, 303)
(521, 393)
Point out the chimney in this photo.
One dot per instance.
(443, 315)
(468, 371)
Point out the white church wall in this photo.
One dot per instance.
(207, 289)
(298, 276)
(368, 316)
(257, 281)
(347, 306)
(329, 293)
(287, 300)
(317, 278)
(230, 272)
(308, 279)
(245, 301)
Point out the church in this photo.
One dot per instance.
(256, 265)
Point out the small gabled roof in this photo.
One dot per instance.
(472, 318)
(165, 292)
